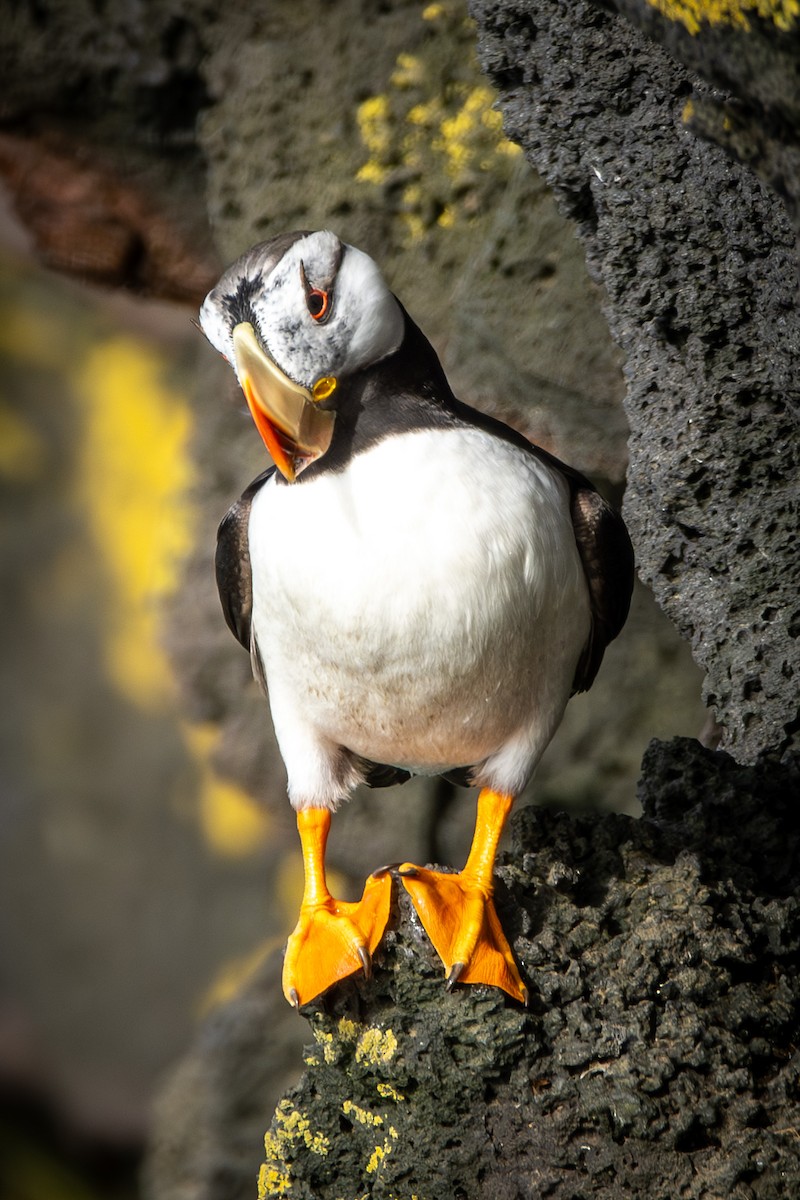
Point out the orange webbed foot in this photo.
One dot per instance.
(459, 917)
(335, 938)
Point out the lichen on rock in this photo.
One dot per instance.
(657, 1057)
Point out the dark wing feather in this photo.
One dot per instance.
(607, 556)
(379, 775)
(232, 563)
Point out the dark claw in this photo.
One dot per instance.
(454, 976)
(526, 997)
(376, 874)
(294, 998)
(409, 873)
(366, 961)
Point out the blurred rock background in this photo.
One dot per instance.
(148, 862)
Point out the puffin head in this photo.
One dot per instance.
(295, 317)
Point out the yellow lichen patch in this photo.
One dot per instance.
(408, 72)
(503, 147)
(133, 477)
(424, 116)
(693, 14)
(435, 129)
(376, 1158)
(374, 125)
(23, 454)
(317, 1143)
(362, 1115)
(325, 1041)
(291, 1128)
(381, 1152)
(348, 1030)
(272, 1181)
(371, 172)
(389, 1093)
(376, 1046)
(233, 823)
(462, 136)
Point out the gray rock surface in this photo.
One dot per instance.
(753, 56)
(697, 259)
(658, 1057)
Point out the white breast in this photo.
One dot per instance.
(424, 608)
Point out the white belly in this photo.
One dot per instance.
(426, 608)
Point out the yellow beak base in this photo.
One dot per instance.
(295, 430)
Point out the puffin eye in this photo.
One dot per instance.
(319, 303)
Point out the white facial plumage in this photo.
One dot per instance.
(364, 322)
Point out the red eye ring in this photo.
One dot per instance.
(319, 303)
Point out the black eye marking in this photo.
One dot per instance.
(318, 300)
(238, 304)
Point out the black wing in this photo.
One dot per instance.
(380, 775)
(607, 556)
(232, 563)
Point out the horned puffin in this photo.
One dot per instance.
(419, 587)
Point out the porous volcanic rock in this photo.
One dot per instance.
(658, 1057)
(697, 259)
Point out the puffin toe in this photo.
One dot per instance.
(460, 919)
(334, 939)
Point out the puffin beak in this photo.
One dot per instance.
(294, 428)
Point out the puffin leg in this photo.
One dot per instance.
(458, 913)
(332, 938)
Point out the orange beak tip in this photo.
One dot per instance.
(269, 434)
